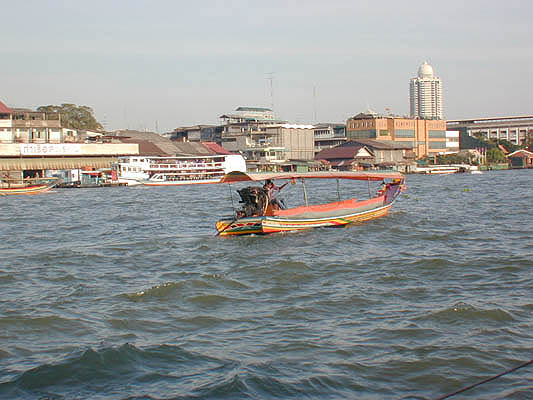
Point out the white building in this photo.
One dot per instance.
(452, 141)
(426, 94)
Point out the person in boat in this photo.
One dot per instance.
(382, 188)
(273, 192)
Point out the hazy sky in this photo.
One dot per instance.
(139, 64)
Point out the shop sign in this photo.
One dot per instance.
(49, 149)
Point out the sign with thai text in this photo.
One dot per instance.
(49, 149)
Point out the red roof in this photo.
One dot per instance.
(4, 109)
(216, 148)
(521, 153)
(502, 148)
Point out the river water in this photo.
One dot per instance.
(127, 293)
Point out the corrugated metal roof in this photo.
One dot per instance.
(20, 164)
(347, 151)
(216, 148)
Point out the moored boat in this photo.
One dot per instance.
(439, 170)
(9, 186)
(260, 215)
(175, 171)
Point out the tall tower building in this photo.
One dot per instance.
(426, 94)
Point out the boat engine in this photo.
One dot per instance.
(254, 199)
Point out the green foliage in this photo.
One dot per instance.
(511, 147)
(495, 155)
(453, 159)
(73, 116)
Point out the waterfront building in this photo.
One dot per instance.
(279, 142)
(452, 142)
(249, 114)
(329, 135)
(245, 129)
(515, 129)
(33, 143)
(350, 156)
(196, 133)
(425, 92)
(154, 144)
(261, 139)
(521, 159)
(369, 154)
(18, 125)
(425, 137)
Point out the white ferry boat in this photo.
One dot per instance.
(174, 171)
(444, 169)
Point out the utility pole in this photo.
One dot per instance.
(270, 78)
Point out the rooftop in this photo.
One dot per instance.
(4, 109)
(509, 118)
(383, 144)
(254, 109)
(346, 150)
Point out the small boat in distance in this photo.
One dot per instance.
(174, 171)
(10, 186)
(439, 169)
(260, 215)
(447, 169)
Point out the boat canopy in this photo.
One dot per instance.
(236, 176)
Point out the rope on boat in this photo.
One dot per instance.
(485, 380)
(231, 197)
(305, 192)
(234, 211)
(447, 396)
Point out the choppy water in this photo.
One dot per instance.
(126, 293)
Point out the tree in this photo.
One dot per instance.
(495, 155)
(511, 147)
(453, 159)
(73, 116)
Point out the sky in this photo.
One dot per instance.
(157, 65)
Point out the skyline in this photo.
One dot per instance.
(140, 64)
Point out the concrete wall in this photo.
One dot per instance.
(299, 142)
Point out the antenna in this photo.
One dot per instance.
(104, 123)
(270, 77)
(126, 118)
(314, 102)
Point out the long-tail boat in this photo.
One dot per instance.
(259, 214)
(10, 186)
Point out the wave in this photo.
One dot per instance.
(109, 371)
(168, 289)
(210, 300)
(43, 323)
(464, 312)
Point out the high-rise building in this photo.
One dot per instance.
(426, 94)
